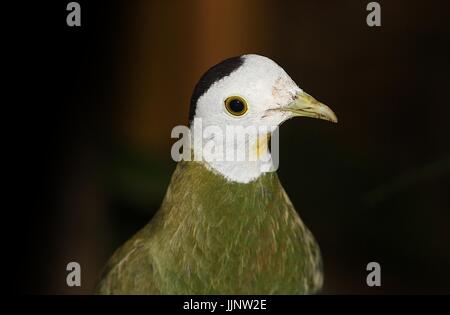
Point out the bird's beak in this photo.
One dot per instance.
(304, 105)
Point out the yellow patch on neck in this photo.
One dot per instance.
(261, 147)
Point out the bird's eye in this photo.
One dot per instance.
(236, 105)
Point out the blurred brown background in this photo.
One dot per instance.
(375, 187)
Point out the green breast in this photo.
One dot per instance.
(212, 236)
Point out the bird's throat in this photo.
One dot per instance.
(250, 162)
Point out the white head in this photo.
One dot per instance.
(252, 92)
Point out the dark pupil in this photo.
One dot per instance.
(236, 106)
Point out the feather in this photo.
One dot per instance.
(214, 236)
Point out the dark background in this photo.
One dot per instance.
(103, 98)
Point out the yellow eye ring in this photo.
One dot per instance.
(236, 105)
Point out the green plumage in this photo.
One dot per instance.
(213, 236)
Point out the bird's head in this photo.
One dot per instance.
(249, 91)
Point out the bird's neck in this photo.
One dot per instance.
(210, 233)
(200, 205)
(242, 161)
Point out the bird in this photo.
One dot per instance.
(227, 226)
